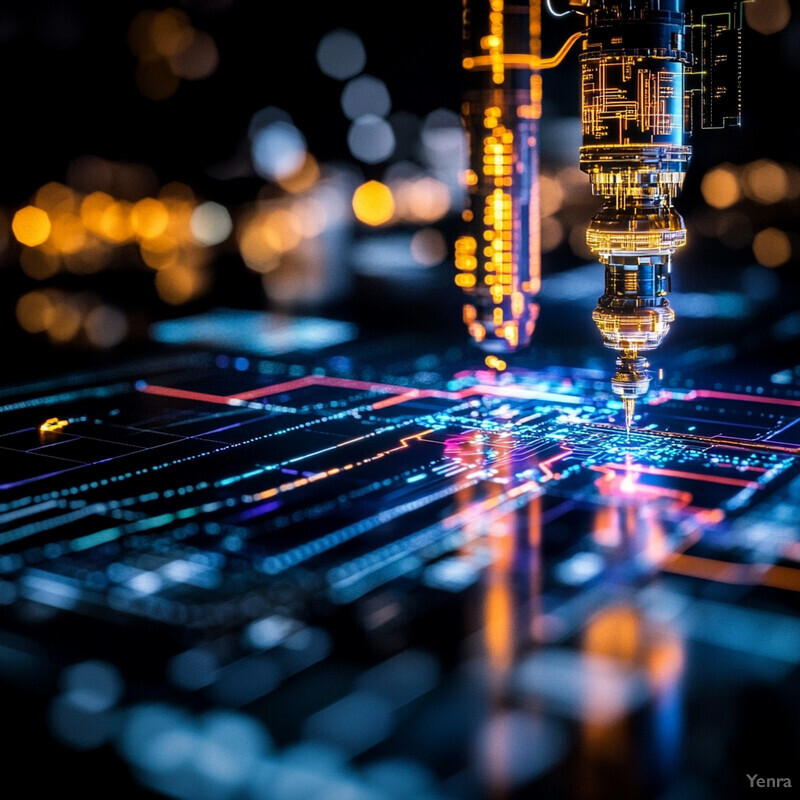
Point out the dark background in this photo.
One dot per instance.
(69, 89)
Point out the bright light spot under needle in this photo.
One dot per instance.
(373, 203)
(720, 187)
(31, 226)
(767, 16)
(371, 139)
(278, 150)
(365, 95)
(772, 247)
(210, 223)
(341, 54)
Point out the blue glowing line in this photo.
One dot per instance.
(264, 508)
(94, 539)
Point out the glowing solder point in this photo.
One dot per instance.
(52, 425)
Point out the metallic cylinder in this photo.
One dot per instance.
(498, 257)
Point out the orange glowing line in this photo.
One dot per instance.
(773, 575)
(404, 442)
(287, 487)
(524, 60)
(544, 466)
(715, 570)
(780, 577)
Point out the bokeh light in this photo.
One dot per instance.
(373, 203)
(35, 311)
(421, 199)
(765, 181)
(720, 186)
(180, 283)
(105, 326)
(169, 48)
(767, 16)
(31, 226)
(303, 179)
(444, 142)
(363, 95)
(211, 223)
(149, 218)
(371, 139)
(428, 247)
(772, 247)
(551, 195)
(340, 54)
(552, 233)
(199, 60)
(278, 150)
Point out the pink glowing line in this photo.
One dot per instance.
(401, 394)
(751, 398)
(320, 380)
(183, 394)
(672, 473)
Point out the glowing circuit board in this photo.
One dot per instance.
(240, 503)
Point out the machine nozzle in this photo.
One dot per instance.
(630, 382)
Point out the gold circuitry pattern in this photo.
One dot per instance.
(610, 107)
(500, 121)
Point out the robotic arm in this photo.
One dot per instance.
(636, 112)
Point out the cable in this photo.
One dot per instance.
(556, 13)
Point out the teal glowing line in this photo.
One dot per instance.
(95, 539)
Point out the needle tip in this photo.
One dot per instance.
(628, 404)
